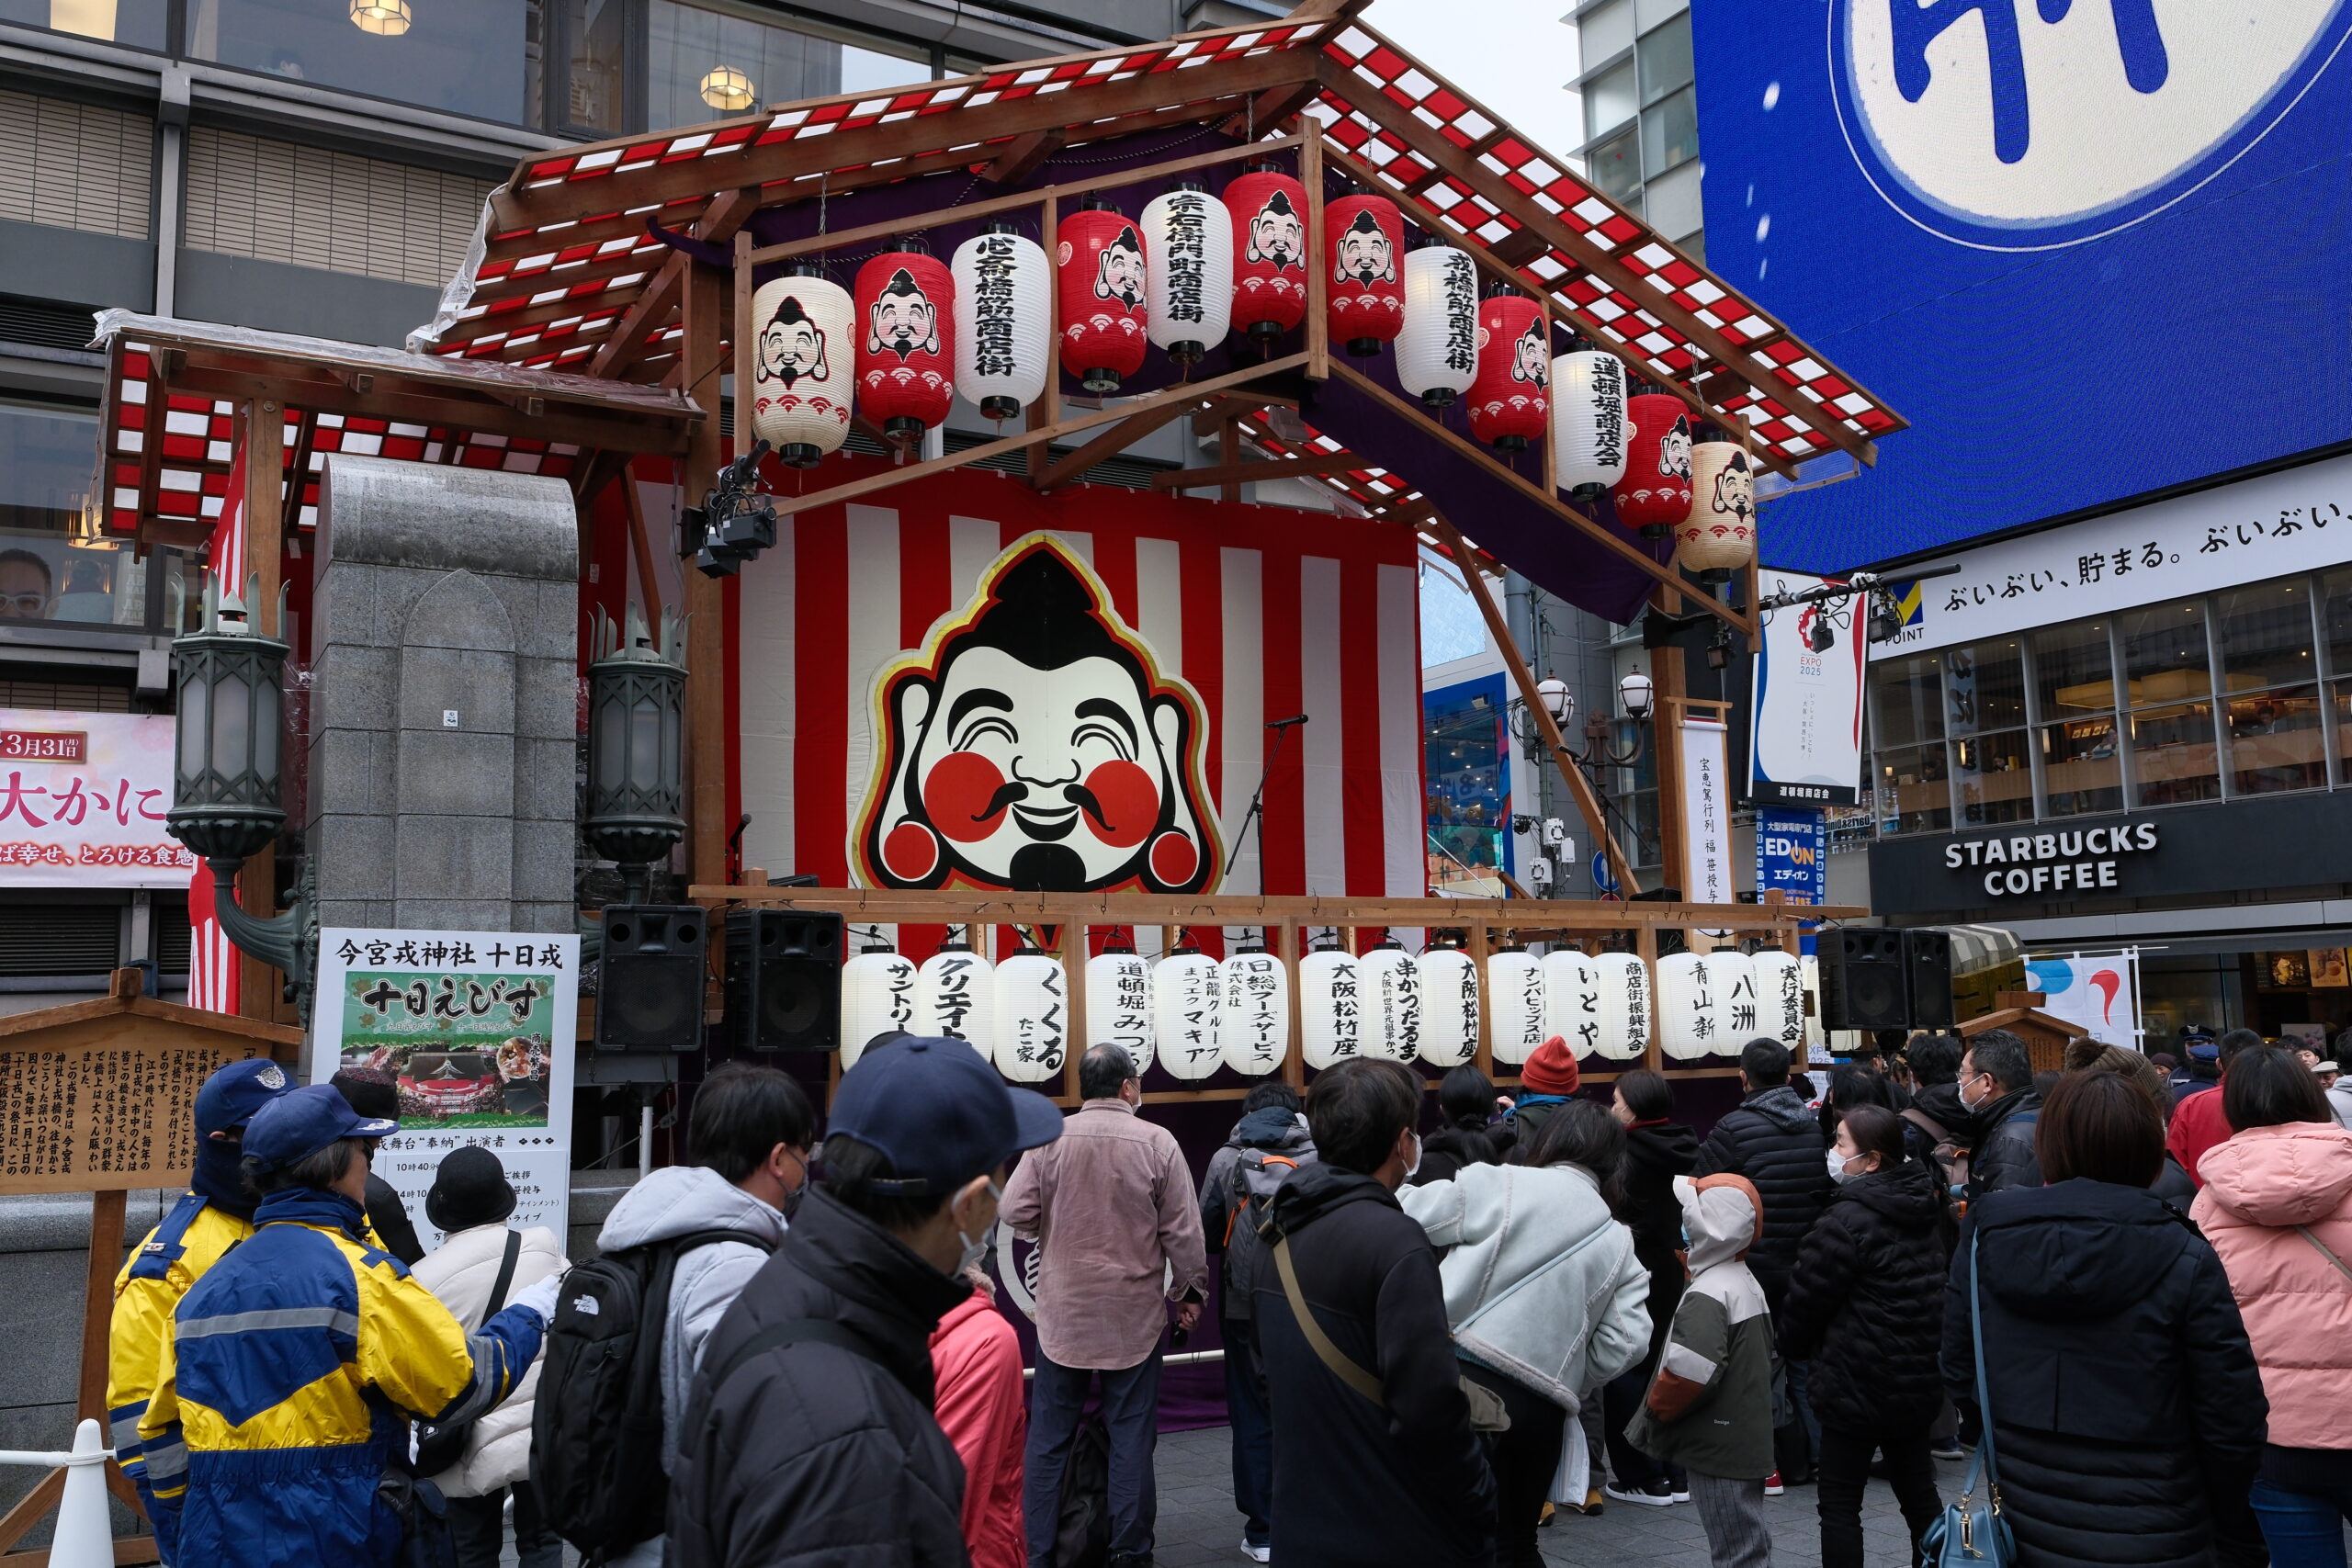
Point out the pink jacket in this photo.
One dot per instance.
(982, 1408)
(2258, 1187)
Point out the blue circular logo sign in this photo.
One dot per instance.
(2021, 125)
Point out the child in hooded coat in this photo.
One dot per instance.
(1710, 1407)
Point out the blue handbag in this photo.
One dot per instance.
(1972, 1532)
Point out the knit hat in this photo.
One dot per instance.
(1553, 1068)
(469, 1188)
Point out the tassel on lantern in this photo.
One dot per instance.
(1655, 494)
(1718, 536)
(1188, 251)
(805, 367)
(1004, 320)
(906, 356)
(1437, 348)
(1509, 401)
(1588, 421)
(1269, 209)
(1100, 271)
(1363, 245)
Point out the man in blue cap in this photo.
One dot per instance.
(810, 1433)
(213, 1215)
(294, 1366)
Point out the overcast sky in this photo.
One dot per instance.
(1514, 56)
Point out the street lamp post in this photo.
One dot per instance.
(1634, 690)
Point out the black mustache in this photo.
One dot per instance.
(1013, 791)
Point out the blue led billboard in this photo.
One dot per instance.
(2091, 249)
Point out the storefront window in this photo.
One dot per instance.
(2169, 682)
(1670, 132)
(2335, 633)
(2272, 719)
(589, 39)
(140, 22)
(1984, 701)
(705, 64)
(2208, 991)
(1907, 728)
(464, 56)
(1466, 760)
(55, 564)
(2074, 686)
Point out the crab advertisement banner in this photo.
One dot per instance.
(82, 800)
(475, 1031)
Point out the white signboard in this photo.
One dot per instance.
(477, 1031)
(1706, 813)
(83, 797)
(2291, 521)
(1807, 745)
(2099, 991)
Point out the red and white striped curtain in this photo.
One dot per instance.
(212, 964)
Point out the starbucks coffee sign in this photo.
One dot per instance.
(2073, 862)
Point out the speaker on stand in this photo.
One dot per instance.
(650, 980)
(1862, 978)
(784, 979)
(1926, 977)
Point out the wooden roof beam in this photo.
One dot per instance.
(655, 305)
(1021, 160)
(1110, 443)
(1267, 469)
(618, 429)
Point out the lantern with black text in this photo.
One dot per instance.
(1718, 537)
(1269, 210)
(1588, 422)
(1330, 1007)
(1510, 399)
(1627, 1025)
(1032, 1028)
(1515, 989)
(1779, 999)
(1392, 1002)
(1100, 270)
(1188, 256)
(1253, 1011)
(1364, 247)
(956, 994)
(1437, 348)
(805, 365)
(1572, 1000)
(1119, 1002)
(1004, 308)
(1698, 996)
(1185, 995)
(1449, 986)
(1655, 495)
(877, 996)
(906, 345)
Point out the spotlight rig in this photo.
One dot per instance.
(731, 526)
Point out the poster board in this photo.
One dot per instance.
(83, 797)
(476, 1029)
(1805, 746)
(2097, 992)
(1706, 813)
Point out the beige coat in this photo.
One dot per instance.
(461, 1271)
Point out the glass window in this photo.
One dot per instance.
(2081, 772)
(2275, 741)
(2073, 672)
(466, 58)
(705, 64)
(2163, 654)
(1604, 31)
(1995, 777)
(1671, 204)
(1609, 100)
(1467, 763)
(56, 564)
(1615, 169)
(592, 38)
(2266, 634)
(1648, 14)
(2272, 718)
(1670, 132)
(1913, 789)
(1984, 687)
(2169, 686)
(2074, 684)
(2335, 619)
(140, 22)
(1664, 57)
(1909, 705)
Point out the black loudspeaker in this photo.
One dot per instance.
(784, 979)
(1926, 977)
(649, 985)
(1861, 978)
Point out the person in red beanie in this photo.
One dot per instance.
(1547, 1082)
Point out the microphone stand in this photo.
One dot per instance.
(1257, 806)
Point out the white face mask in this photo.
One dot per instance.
(1413, 1168)
(1837, 1171)
(1972, 1104)
(977, 1248)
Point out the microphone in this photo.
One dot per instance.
(1286, 723)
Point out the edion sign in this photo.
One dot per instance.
(2051, 863)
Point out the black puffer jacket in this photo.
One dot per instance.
(1865, 1305)
(1656, 1153)
(1774, 1141)
(2127, 1409)
(1939, 1103)
(812, 1453)
(2002, 1156)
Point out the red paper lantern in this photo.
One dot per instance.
(1510, 402)
(1099, 266)
(906, 342)
(1269, 211)
(1363, 245)
(1655, 494)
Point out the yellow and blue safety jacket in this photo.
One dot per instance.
(174, 1255)
(292, 1370)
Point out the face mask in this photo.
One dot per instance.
(1972, 1104)
(1837, 1171)
(791, 1198)
(1415, 1166)
(979, 1247)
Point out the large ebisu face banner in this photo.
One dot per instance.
(968, 685)
(2090, 248)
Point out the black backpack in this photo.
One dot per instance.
(1083, 1530)
(596, 1422)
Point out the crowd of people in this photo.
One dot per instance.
(2127, 1294)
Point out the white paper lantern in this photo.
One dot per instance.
(1572, 1002)
(1119, 1003)
(1699, 997)
(1810, 966)
(1032, 1017)
(877, 995)
(1004, 289)
(1392, 1003)
(1515, 1006)
(1437, 347)
(1330, 1008)
(1185, 998)
(1626, 1019)
(1719, 537)
(1588, 429)
(1188, 278)
(1253, 1012)
(806, 368)
(1449, 1006)
(1779, 999)
(956, 994)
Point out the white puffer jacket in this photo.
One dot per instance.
(461, 1271)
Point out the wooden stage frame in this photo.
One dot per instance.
(1064, 921)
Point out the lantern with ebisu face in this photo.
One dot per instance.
(1718, 536)
(905, 345)
(1655, 495)
(1511, 401)
(805, 366)
(1099, 260)
(1269, 211)
(1364, 243)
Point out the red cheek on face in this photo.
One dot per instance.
(911, 852)
(1174, 858)
(1130, 803)
(957, 793)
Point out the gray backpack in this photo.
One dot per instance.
(1257, 1176)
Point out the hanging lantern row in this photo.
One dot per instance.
(1510, 401)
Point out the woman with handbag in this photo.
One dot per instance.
(2277, 1206)
(2094, 1330)
(1544, 1295)
(1865, 1307)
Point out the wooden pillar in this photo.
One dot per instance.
(704, 312)
(1047, 410)
(1319, 286)
(1073, 957)
(1485, 1059)
(1290, 937)
(1646, 944)
(1228, 452)
(1667, 688)
(260, 988)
